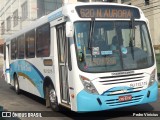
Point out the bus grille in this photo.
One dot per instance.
(112, 80)
(121, 84)
(115, 102)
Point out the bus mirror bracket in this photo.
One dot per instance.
(69, 29)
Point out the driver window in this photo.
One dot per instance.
(145, 39)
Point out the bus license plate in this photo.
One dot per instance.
(125, 98)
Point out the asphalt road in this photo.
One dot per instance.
(27, 102)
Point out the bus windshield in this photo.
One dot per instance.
(114, 46)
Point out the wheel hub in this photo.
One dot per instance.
(52, 96)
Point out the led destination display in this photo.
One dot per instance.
(107, 12)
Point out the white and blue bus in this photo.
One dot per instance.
(85, 56)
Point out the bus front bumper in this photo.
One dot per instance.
(87, 102)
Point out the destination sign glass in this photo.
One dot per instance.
(110, 11)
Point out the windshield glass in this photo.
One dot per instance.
(115, 46)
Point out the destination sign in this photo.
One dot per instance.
(107, 12)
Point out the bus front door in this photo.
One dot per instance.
(63, 64)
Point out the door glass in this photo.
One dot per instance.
(62, 51)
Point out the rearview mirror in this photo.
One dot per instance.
(69, 29)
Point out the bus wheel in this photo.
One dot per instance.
(16, 85)
(53, 98)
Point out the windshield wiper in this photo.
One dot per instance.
(91, 35)
(131, 45)
(132, 37)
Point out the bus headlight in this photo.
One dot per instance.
(152, 78)
(88, 86)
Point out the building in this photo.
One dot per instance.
(16, 14)
(151, 9)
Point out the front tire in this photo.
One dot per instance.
(16, 85)
(52, 96)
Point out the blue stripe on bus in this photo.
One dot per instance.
(36, 70)
(55, 16)
(27, 68)
(87, 102)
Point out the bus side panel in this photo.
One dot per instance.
(34, 76)
(23, 83)
(29, 77)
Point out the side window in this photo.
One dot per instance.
(43, 41)
(21, 46)
(30, 44)
(13, 49)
